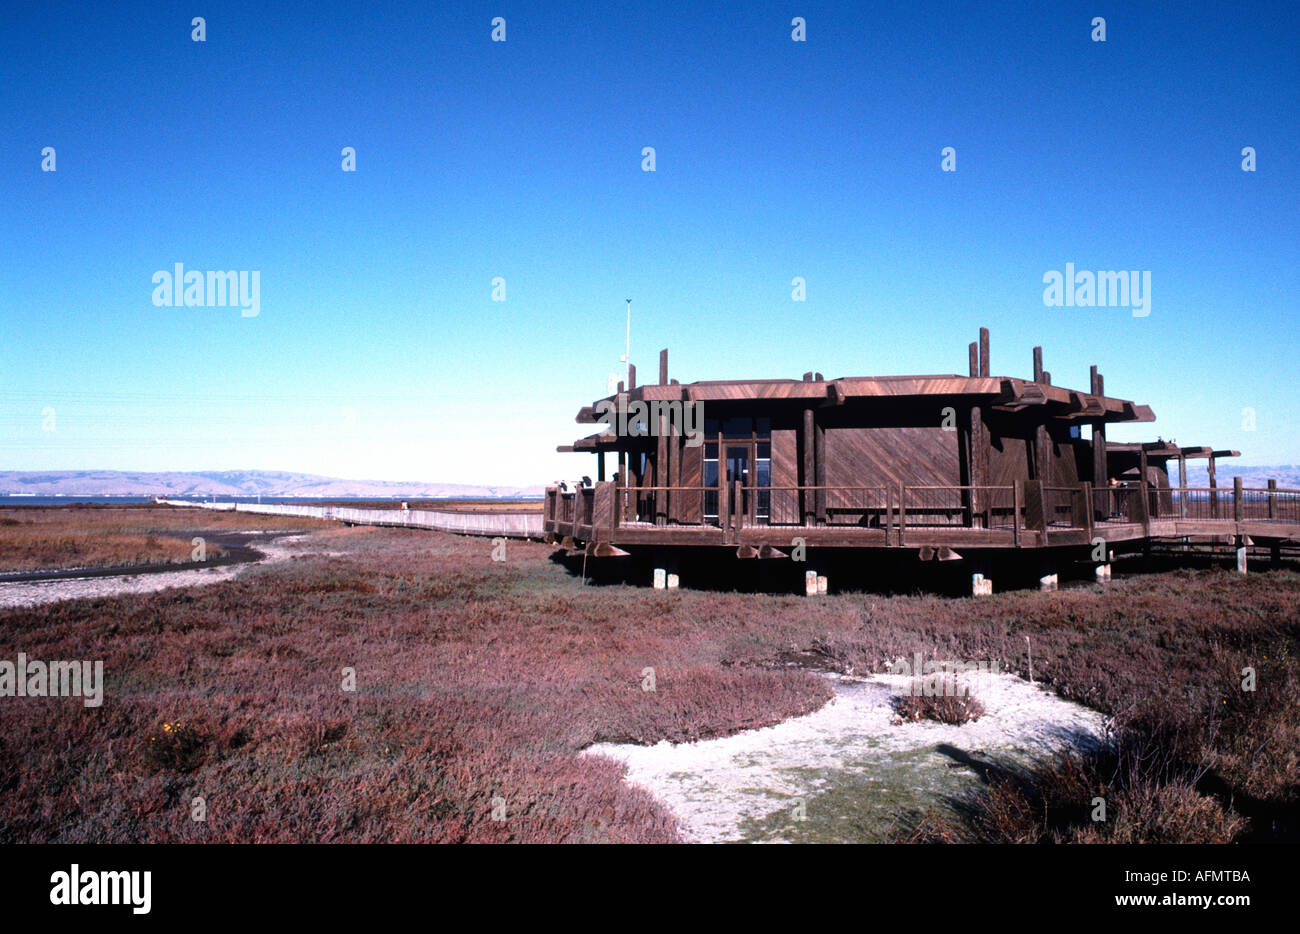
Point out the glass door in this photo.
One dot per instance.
(737, 457)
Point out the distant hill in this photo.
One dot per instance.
(237, 483)
(1226, 468)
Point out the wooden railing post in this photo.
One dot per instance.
(1237, 504)
(902, 510)
(889, 513)
(1272, 499)
(1017, 500)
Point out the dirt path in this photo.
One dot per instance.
(96, 582)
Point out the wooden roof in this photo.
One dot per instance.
(1002, 392)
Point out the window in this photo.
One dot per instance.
(763, 479)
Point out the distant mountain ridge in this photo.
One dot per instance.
(254, 483)
(1287, 477)
(237, 483)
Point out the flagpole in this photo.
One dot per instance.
(627, 357)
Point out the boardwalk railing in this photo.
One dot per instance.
(509, 525)
(1051, 513)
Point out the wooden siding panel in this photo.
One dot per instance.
(785, 472)
(692, 475)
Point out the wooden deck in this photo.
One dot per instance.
(936, 521)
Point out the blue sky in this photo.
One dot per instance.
(378, 351)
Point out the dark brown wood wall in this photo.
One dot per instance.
(885, 456)
(785, 472)
(692, 470)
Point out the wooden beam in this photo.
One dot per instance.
(980, 442)
(819, 467)
(663, 367)
(809, 469)
(984, 351)
(661, 473)
(1214, 496)
(974, 359)
(1100, 469)
(1038, 364)
(1182, 484)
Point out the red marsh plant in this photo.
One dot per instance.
(941, 698)
(481, 682)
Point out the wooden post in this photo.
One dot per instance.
(902, 510)
(615, 516)
(974, 359)
(809, 468)
(1042, 453)
(1038, 364)
(1100, 468)
(979, 466)
(1237, 505)
(1275, 550)
(663, 367)
(661, 473)
(1142, 469)
(889, 513)
(676, 499)
(631, 377)
(965, 470)
(984, 351)
(1143, 503)
(1214, 496)
(1182, 485)
(1017, 502)
(600, 466)
(819, 469)
(1081, 508)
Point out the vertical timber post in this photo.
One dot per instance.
(1214, 491)
(809, 469)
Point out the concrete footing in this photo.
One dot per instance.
(814, 584)
(661, 578)
(1102, 573)
(1241, 559)
(1048, 582)
(980, 586)
(673, 581)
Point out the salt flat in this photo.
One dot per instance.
(854, 768)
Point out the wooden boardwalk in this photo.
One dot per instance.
(507, 525)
